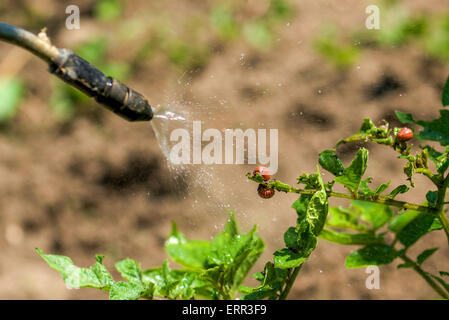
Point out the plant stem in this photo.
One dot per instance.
(428, 174)
(440, 205)
(289, 284)
(426, 277)
(382, 200)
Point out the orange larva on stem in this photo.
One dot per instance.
(405, 134)
(265, 192)
(263, 171)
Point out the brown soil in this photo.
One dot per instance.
(101, 185)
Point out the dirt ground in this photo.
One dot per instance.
(99, 184)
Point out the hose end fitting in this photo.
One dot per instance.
(108, 91)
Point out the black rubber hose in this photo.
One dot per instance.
(79, 73)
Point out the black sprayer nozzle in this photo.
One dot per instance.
(108, 91)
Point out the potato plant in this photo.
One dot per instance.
(216, 269)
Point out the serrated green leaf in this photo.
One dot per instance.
(374, 254)
(329, 161)
(125, 291)
(353, 174)
(349, 238)
(374, 213)
(11, 93)
(130, 270)
(96, 276)
(423, 256)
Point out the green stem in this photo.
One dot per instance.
(426, 277)
(429, 175)
(279, 186)
(290, 281)
(440, 206)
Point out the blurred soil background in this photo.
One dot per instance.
(77, 180)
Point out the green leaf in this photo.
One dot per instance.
(374, 254)
(445, 95)
(234, 254)
(11, 94)
(444, 273)
(415, 229)
(434, 130)
(398, 190)
(317, 210)
(290, 238)
(173, 284)
(286, 259)
(344, 218)
(96, 276)
(407, 264)
(349, 238)
(273, 281)
(368, 131)
(436, 225)
(423, 256)
(300, 205)
(432, 197)
(404, 117)
(400, 221)
(372, 193)
(375, 213)
(125, 291)
(191, 254)
(329, 161)
(130, 270)
(353, 174)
